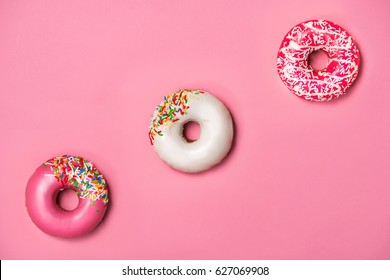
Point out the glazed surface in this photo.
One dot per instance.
(216, 130)
(318, 85)
(55, 175)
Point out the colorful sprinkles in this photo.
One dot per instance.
(81, 174)
(170, 110)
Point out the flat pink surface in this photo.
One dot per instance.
(303, 181)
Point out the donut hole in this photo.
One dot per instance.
(191, 131)
(67, 199)
(318, 60)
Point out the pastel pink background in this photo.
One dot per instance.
(303, 181)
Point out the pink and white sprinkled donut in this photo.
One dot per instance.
(60, 173)
(318, 85)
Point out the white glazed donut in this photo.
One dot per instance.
(216, 130)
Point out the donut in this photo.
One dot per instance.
(167, 124)
(55, 175)
(300, 77)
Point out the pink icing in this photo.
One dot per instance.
(301, 78)
(41, 193)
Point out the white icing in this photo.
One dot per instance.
(213, 144)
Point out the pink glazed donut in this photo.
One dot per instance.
(318, 85)
(56, 175)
